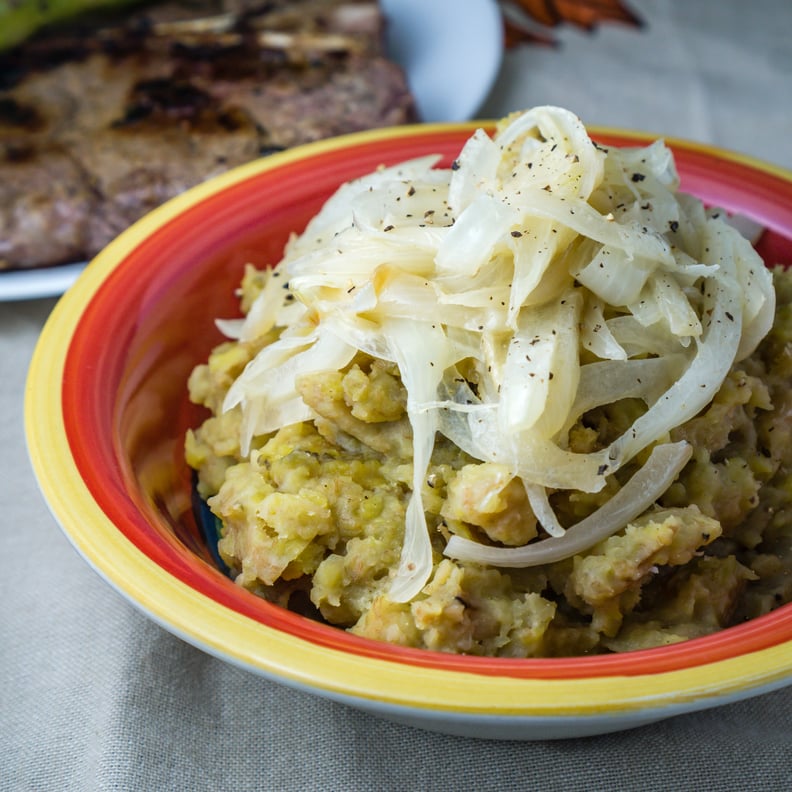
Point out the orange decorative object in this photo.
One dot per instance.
(585, 14)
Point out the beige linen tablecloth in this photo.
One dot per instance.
(96, 697)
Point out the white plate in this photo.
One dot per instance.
(451, 60)
(32, 284)
(450, 51)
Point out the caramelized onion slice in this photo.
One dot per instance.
(634, 498)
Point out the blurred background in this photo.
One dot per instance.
(716, 71)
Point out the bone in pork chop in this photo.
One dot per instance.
(96, 130)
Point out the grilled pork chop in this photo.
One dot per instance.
(97, 128)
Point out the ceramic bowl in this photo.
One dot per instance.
(107, 408)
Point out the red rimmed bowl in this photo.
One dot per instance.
(107, 408)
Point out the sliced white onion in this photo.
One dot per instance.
(596, 335)
(421, 354)
(635, 497)
(543, 511)
(476, 168)
(559, 276)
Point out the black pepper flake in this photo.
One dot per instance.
(388, 228)
(674, 226)
(638, 177)
(729, 316)
(455, 165)
(516, 234)
(601, 470)
(411, 191)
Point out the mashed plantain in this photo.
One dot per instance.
(316, 513)
(536, 404)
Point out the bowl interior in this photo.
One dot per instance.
(151, 319)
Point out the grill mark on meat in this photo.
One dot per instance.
(97, 130)
(16, 114)
(170, 96)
